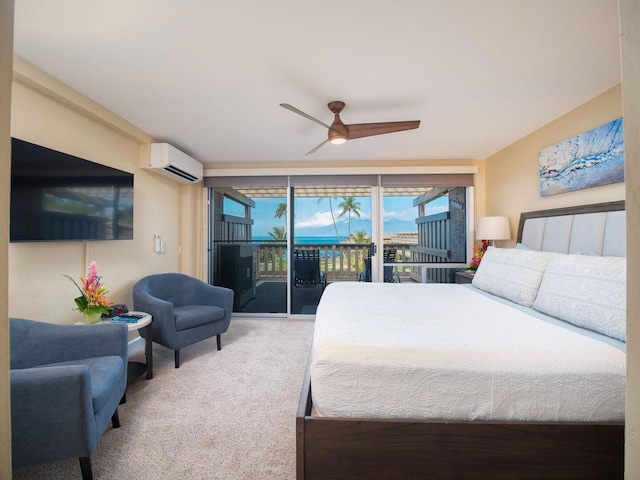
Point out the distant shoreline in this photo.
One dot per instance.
(403, 237)
(307, 240)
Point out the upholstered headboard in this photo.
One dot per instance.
(598, 229)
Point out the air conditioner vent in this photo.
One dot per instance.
(181, 173)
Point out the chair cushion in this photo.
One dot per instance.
(190, 316)
(105, 374)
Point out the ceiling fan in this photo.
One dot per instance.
(340, 133)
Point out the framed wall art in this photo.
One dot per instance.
(591, 159)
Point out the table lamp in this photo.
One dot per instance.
(493, 228)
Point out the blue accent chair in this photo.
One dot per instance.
(185, 309)
(66, 384)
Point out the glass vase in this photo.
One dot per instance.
(91, 317)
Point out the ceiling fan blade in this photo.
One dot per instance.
(300, 112)
(359, 130)
(317, 148)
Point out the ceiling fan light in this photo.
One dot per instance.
(338, 132)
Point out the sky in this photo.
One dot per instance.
(314, 218)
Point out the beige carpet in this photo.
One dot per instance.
(223, 415)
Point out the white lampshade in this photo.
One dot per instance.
(493, 228)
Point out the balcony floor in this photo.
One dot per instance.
(271, 297)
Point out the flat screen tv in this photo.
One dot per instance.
(59, 197)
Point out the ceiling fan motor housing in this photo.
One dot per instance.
(338, 132)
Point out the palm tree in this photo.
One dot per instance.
(333, 217)
(360, 237)
(278, 234)
(349, 205)
(281, 210)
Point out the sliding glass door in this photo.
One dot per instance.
(279, 241)
(331, 228)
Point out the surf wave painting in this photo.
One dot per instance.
(593, 158)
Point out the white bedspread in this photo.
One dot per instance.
(444, 351)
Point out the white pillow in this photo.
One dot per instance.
(512, 273)
(587, 291)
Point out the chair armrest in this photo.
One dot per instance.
(143, 301)
(38, 343)
(50, 408)
(160, 310)
(206, 294)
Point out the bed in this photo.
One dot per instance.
(373, 414)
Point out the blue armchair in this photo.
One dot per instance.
(66, 384)
(185, 310)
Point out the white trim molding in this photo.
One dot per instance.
(269, 172)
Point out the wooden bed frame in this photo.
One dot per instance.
(347, 448)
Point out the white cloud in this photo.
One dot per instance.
(319, 219)
(408, 214)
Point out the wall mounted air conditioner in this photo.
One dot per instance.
(170, 161)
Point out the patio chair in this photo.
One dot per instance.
(389, 276)
(389, 255)
(306, 269)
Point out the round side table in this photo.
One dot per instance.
(136, 369)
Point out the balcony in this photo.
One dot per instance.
(340, 262)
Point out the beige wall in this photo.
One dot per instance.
(48, 113)
(630, 42)
(512, 174)
(6, 52)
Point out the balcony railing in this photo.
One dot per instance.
(341, 262)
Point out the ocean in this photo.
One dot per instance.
(308, 240)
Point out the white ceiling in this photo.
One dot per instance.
(208, 75)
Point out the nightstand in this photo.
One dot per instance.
(464, 276)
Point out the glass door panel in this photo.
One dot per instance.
(250, 247)
(422, 225)
(331, 236)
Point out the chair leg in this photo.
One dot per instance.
(85, 468)
(177, 358)
(115, 419)
(219, 342)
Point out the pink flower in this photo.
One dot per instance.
(474, 263)
(92, 294)
(93, 273)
